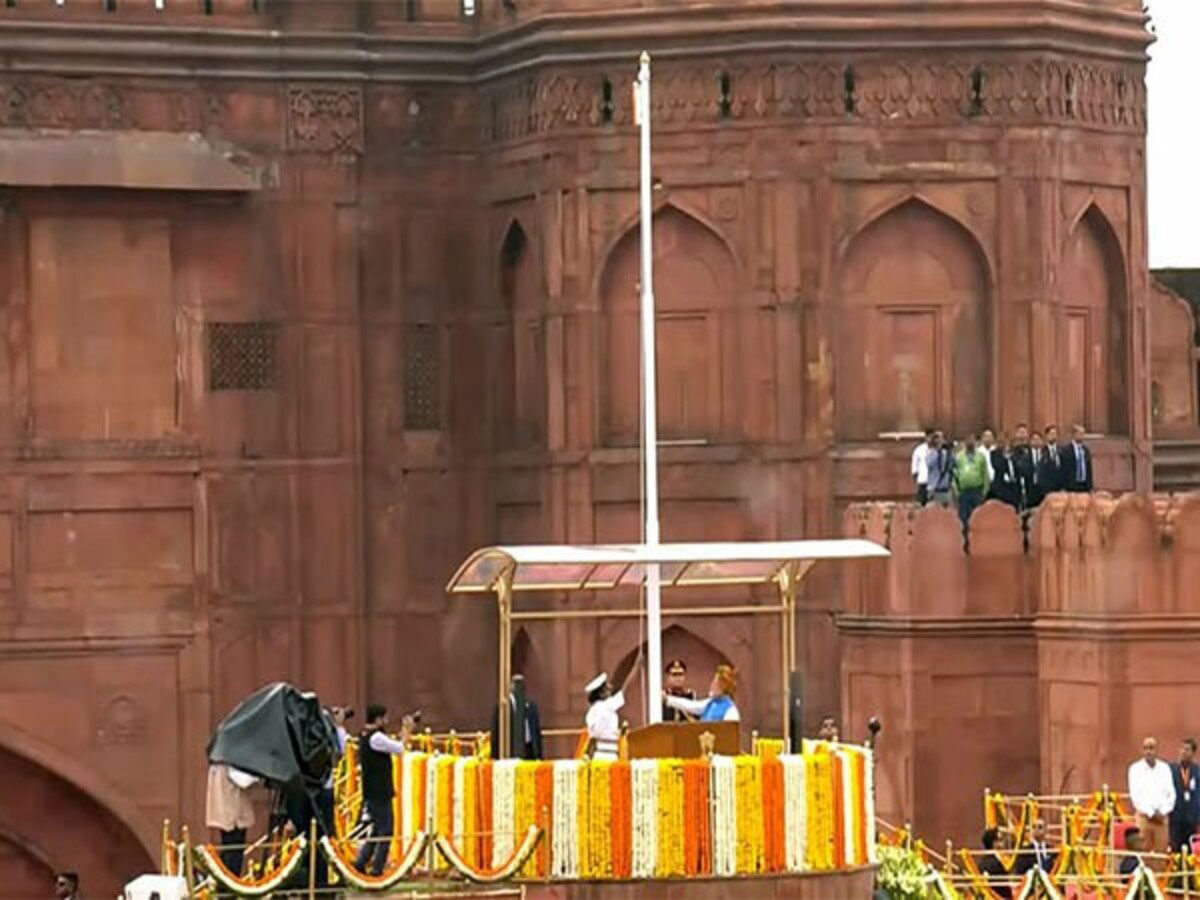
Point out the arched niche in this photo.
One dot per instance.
(694, 280)
(520, 375)
(1093, 361)
(912, 327)
(49, 824)
(678, 642)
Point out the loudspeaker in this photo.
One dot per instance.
(796, 708)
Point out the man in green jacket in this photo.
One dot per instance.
(970, 479)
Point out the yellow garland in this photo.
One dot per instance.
(670, 819)
(598, 838)
(468, 842)
(583, 790)
(525, 814)
(818, 783)
(749, 815)
(443, 787)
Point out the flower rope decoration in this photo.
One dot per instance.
(270, 881)
(645, 817)
(360, 881)
(564, 834)
(1038, 886)
(1144, 885)
(502, 872)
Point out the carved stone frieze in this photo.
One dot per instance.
(62, 104)
(325, 119)
(949, 91)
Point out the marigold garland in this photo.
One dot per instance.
(347, 788)
(818, 780)
(483, 805)
(504, 775)
(645, 817)
(543, 783)
(525, 812)
(697, 833)
(795, 806)
(621, 819)
(774, 851)
(500, 872)
(670, 827)
(723, 785)
(564, 837)
(392, 875)
(749, 815)
(599, 831)
(255, 886)
(600, 819)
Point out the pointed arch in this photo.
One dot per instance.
(109, 840)
(914, 317)
(1093, 326)
(678, 642)
(696, 284)
(520, 373)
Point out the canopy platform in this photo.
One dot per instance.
(508, 571)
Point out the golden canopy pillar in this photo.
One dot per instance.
(508, 572)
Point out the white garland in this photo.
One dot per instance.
(644, 780)
(795, 813)
(869, 806)
(1143, 880)
(371, 883)
(408, 796)
(211, 860)
(504, 785)
(504, 872)
(1038, 884)
(850, 810)
(564, 843)
(724, 792)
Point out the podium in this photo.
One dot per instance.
(681, 740)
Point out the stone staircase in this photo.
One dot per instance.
(1176, 465)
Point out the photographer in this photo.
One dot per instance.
(376, 750)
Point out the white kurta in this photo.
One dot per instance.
(604, 726)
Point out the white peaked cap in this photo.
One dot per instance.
(598, 682)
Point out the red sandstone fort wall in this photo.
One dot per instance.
(1019, 669)
(299, 314)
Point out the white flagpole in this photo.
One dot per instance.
(649, 402)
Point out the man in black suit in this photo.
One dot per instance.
(991, 865)
(1038, 853)
(1031, 465)
(1006, 480)
(1185, 817)
(1077, 463)
(1054, 474)
(527, 745)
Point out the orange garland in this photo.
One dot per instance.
(839, 813)
(858, 762)
(774, 849)
(543, 791)
(697, 832)
(620, 786)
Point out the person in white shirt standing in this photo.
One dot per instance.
(603, 721)
(920, 466)
(1152, 792)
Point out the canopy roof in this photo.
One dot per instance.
(569, 567)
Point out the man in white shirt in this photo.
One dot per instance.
(920, 466)
(603, 721)
(1152, 793)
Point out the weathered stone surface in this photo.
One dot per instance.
(247, 431)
